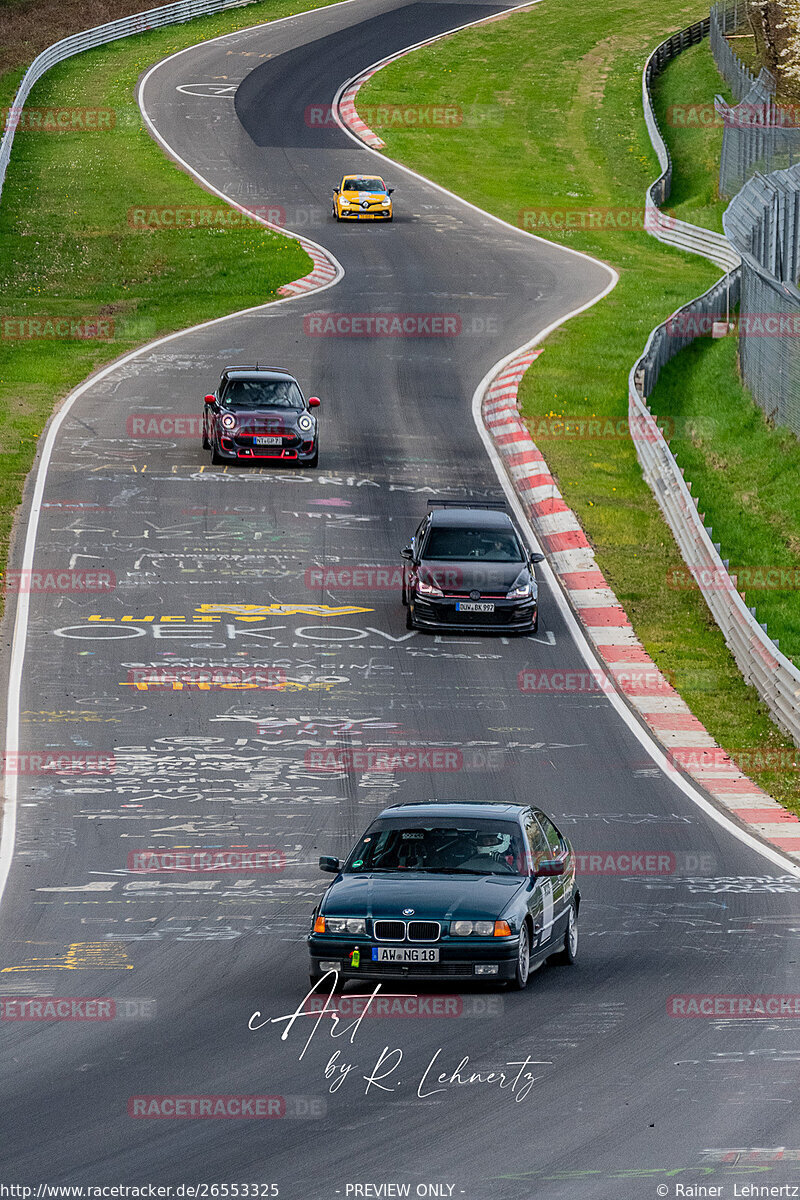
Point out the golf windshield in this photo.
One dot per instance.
(460, 544)
(455, 847)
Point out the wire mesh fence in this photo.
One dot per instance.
(763, 223)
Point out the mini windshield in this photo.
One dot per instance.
(459, 544)
(363, 184)
(252, 394)
(444, 847)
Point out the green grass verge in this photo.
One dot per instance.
(561, 90)
(67, 248)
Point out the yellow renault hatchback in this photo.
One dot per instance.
(362, 198)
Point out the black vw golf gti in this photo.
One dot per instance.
(449, 889)
(467, 567)
(259, 414)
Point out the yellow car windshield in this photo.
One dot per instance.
(363, 185)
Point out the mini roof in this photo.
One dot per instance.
(258, 372)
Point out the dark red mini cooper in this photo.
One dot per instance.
(259, 414)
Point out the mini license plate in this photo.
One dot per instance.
(268, 441)
(473, 606)
(404, 954)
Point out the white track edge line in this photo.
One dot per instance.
(19, 640)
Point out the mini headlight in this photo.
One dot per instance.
(304, 422)
(229, 421)
(484, 928)
(461, 928)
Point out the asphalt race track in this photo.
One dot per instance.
(625, 1097)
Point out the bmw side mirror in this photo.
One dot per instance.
(327, 863)
(407, 552)
(211, 399)
(551, 866)
(314, 401)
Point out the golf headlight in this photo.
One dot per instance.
(345, 925)
(428, 589)
(522, 588)
(304, 422)
(229, 421)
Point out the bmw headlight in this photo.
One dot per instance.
(353, 925)
(305, 422)
(229, 421)
(465, 928)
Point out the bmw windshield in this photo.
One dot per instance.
(448, 847)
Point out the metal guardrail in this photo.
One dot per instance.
(667, 229)
(757, 656)
(100, 35)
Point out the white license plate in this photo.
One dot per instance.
(268, 441)
(404, 954)
(473, 606)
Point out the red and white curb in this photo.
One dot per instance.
(669, 718)
(347, 111)
(324, 271)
